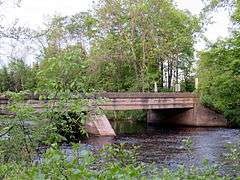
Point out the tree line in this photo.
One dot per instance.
(120, 45)
(219, 68)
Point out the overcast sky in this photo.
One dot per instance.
(32, 13)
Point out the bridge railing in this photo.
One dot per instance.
(121, 101)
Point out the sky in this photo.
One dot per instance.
(33, 13)
(221, 19)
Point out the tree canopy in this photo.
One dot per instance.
(142, 42)
(122, 45)
(219, 70)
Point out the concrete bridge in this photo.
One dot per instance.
(162, 108)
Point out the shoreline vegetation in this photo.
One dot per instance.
(111, 162)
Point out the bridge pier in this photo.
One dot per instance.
(198, 116)
(206, 117)
(153, 117)
(99, 125)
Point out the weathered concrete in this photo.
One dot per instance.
(207, 117)
(99, 125)
(136, 101)
(197, 116)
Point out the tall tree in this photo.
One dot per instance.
(140, 38)
(64, 59)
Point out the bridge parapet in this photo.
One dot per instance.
(147, 95)
(147, 101)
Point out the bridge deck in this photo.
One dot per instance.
(131, 101)
(134, 101)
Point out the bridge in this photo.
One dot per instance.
(147, 101)
(162, 109)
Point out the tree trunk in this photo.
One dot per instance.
(169, 74)
(162, 74)
(177, 75)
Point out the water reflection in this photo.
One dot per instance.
(99, 141)
(128, 127)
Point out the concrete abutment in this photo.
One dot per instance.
(198, 116)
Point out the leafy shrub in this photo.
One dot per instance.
(233, 115)
(219, 78)
(29, 129)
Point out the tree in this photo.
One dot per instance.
(219, 72)
(64, 70)
(140, 41)
(4, 79)
(64, 60)
(22, 77)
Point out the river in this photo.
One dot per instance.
(164, 145)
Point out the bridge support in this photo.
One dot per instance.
(99, 125)
(197, 116)
(206, 117)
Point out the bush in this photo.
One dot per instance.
(219, 78)
(233, 115)
(29, 129)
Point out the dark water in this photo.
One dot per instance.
(164, 146)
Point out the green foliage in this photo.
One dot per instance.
(67, 117)
(219, 69)
(220, 78)
(233, 156)
(61, 121)
(112, 162)
(18, 145)
(120, 46)
(4, 80)
(63, 71)
(136, 115)
(64, 62)
(188, 85)
(18, 76)
(135, 39)
(233, 115)
(187, 143)
(123, 46)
